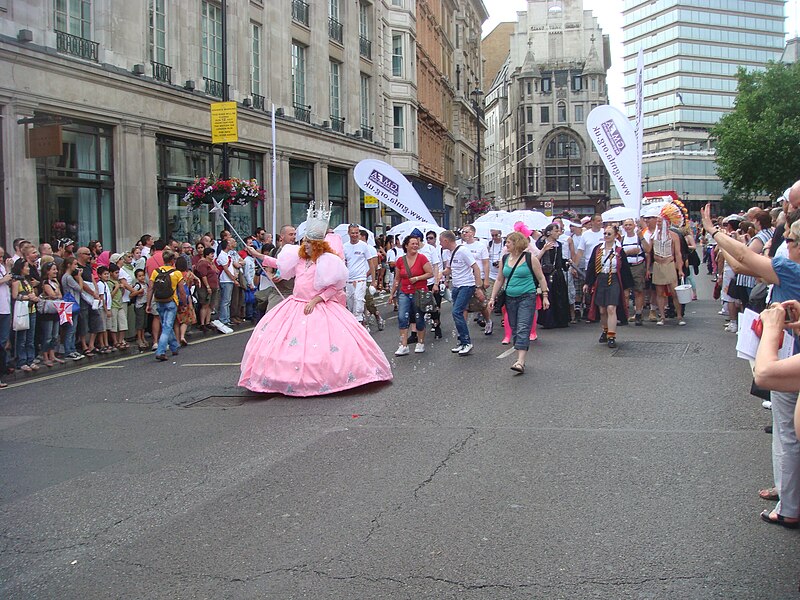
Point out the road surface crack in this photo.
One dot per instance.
(454, 450)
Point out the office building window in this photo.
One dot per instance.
(255, 58)
(301, 189)
(74, 17)
(399, 128)
(335, 90)
(562, 112)
(579, 113)
(545, 114)
(337, 194)
(529, 114)
(365, 101)
(397, 54)
(576, 83)
(546, 85)
(211, 45)
(298, 75)
(157, 23)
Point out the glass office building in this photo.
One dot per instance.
(692, 51)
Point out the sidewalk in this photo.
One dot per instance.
(193, 336)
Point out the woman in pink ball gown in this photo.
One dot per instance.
(310, 344)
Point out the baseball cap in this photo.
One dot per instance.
(115, 257)
(585, 220)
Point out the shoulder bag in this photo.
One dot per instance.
(22, 320)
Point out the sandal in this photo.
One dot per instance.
(47, 363)
(3, 385)
(518, 367)
(769, 494)
(779, 520)
(184, 342)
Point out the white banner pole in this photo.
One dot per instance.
(274, 182)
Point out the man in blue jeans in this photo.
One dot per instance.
(465, 275)
(166, 306)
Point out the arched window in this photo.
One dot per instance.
(563, 171)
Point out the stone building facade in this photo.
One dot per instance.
(540, 153)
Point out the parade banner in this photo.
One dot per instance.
(391, 187)
(613, 136)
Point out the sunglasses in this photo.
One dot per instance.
(789, 240)
(607, 234)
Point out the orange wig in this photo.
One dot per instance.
(318, 248)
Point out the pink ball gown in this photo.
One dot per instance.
(328, 351)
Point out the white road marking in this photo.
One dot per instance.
(507, 353)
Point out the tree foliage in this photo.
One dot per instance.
(758, 143)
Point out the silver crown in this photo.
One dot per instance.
(319, 214)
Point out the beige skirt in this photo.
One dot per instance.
(665, 274)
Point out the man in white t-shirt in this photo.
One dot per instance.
(356, 257)
(392, 256)
(480, 253)
(460, 265)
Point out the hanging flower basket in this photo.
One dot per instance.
(478, 206)
(205, 190)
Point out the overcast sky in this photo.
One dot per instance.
(611, 24)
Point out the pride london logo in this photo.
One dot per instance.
(614, 136)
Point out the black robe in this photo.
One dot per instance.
(553, 267)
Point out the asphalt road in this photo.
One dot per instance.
(597, 474)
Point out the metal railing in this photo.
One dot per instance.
(337, 124)
(300, 12)
(364, 47)
(366, 132)
(77, 46)
(162, 72)
(302, 113)
(335, 30)
(213, 87)
(258, 102)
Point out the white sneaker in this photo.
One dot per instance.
(457, 348)
(226, 329)
(488, 329)
(766, 404)
(723, 312)
(661, 322)
(465, 349)
(401, 350)
(681, 322)
(216, 323)
(732, 327)
(419, 348)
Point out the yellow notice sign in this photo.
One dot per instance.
(371, 202)
(224, 128)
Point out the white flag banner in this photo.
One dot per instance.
(390, 186)
(615, 140)
(639, 109)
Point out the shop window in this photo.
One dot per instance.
(76, 189)
(301, 189)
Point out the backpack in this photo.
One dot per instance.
(162, 286)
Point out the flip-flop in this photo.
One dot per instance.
(519, 368)
(779, 520)
(768, 494)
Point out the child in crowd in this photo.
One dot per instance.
(118, 323)
(139, 297)
(104, 291)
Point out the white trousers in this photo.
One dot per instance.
(785, 454)
(356, 291)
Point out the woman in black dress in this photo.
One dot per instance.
(553, 266)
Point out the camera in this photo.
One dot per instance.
(75, 272)
(496, 264)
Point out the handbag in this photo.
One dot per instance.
(249, 296)
(758, 297)
(46, 307)
(22, 319)
(424, 301)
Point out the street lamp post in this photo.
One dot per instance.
(569, 174)
(476, 95)
(225, 93)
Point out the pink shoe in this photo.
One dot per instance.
(506, 341)
(533, 338)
